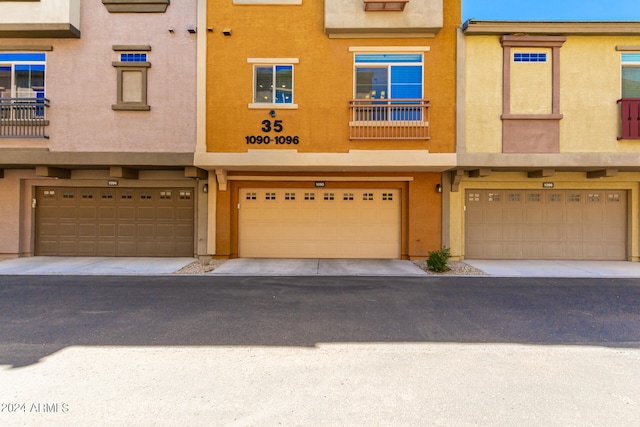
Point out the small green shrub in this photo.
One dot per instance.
(437, 260)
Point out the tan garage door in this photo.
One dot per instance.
(546, 224)
(114, 221)
(319, 223)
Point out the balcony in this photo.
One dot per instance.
(40, 19)
(389, 119)
(629, 118)
(23, 117)
(389, 18)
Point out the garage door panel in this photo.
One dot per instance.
(126, 213)
(532, 251)
(555, 224)
(106, 248)
(67, 230)
(110, 222)
(574, 233)
(343, 223)
(88, 212)
(88, 230)
(107, 230)
(512, 232)
(106, 213)
(86, 247)
(184, 213)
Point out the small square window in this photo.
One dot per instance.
(593, 197)
(387, 196)
(329, 196)
(185, 195)
(367, 196)
(309, 196)
(289, 196)
(251, 196)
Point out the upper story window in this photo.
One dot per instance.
(273, 82)
(631, 75)
(22, 75)
(384, 76)
(132, 68)
(529, 57)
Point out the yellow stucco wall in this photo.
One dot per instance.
(568, 180)
(531, 84)
(483, 102)
(590, 80)
(323, 78)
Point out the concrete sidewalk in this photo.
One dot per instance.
(120, 266)
(549, 268)
(107, 266)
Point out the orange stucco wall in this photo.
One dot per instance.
(323, 78)
(421, 210)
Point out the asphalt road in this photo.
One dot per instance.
(201, 350)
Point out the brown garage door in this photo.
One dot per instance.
(114, 221)
(319, 223)
(546, 224)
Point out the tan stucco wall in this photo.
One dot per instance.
(323, 79)
(10, 213)
(81, 82)
(589, 88)
(568, 180)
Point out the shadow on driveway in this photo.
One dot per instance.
(40, 315)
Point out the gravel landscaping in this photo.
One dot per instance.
(457, 268)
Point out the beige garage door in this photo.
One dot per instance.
(114, 221)
(319, 223)
(546, 224)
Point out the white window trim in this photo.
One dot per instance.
(270, 61)
(289, 2)
(389, 49)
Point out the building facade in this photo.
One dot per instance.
(98, 128)
(548, 145)
(328, 126)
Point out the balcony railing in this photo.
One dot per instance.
(23, 117)
(629, 118)
(389, 119)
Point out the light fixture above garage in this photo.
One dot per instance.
(385, 5)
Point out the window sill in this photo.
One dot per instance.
(266, 106)
(531, 117)
(125, 107)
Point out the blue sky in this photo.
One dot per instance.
(554, 10)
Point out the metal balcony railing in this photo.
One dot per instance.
(389, 119)
(23, 117)
(629, 118)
